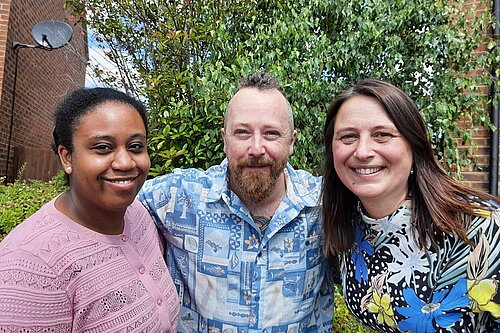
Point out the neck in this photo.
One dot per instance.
(98, 220)
(381, 208)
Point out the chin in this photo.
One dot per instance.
(120, 204)
(368, 195)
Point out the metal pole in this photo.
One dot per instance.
(16, 52)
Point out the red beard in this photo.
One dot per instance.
(255, 186)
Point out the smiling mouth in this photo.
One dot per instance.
(121, 181)
(368, 171)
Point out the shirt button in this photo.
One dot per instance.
(124, 238)
(142, 270)
(159, 302)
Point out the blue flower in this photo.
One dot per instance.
(361, 244)
(421, 315)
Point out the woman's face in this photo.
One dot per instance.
(109, 162)
(371, 158)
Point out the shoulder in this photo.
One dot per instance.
(304, 179)
(190, 181)
(28, 250)
(31, 233)
(179, 177)
(138, 217)
(136, 210)
(486, 214)
(483, 228)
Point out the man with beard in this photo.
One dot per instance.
(243, 238)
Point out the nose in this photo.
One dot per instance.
(257, 145)
(364, 148)
(123, 160)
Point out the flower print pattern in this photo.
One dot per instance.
(481, 294)
(422, 316)
(381, 305)
(407, 259)
(252, 242)
(361, 245)
(388, 226)
(392, 285)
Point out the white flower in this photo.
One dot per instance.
(407, 260)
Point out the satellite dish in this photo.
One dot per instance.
(52, 34)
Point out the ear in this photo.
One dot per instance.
(292, 142)
(65, 158)
(224, 139)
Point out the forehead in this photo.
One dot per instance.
(252, 106)
(111, 116)
(362, 111)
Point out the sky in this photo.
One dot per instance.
(96, 57)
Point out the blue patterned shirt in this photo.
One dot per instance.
(229, 278)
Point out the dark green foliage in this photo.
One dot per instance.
(186, 57)
(22, 198)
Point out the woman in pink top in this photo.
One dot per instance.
(91, 259)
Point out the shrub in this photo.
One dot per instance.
(184, 58)
(343, 321)
(22, 198)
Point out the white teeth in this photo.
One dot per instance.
(121, 181)
(367, 171)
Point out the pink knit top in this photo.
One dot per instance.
(58, 276)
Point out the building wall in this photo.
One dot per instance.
(477, 174)
(4, 114)
(43, 77)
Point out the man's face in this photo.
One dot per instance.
(258, 140)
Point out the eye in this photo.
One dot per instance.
(136, 146)
(241, 133)
(348, 138)
(102, 148)
(383, 136)
(272, 135)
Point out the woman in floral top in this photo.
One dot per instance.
(419, 251)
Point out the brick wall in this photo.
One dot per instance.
(43, 77)
(477, 174)
(4, 116)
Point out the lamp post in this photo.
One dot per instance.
(49, 35)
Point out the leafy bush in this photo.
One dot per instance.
(343, 321)
(184, 58)
(22, 198)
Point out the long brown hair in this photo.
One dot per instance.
(438, 200)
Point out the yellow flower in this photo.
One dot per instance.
(481, 293)
(382, 306)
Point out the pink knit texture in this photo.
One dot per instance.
(58, 276)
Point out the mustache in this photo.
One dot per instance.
(256, 162)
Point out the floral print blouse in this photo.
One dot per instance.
(391, 285)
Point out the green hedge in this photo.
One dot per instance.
(184, 58)
(22, 198)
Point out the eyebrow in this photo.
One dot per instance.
(111, 138)
(382, 127)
